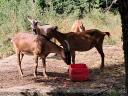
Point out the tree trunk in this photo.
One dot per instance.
(123, 9)
(89, 5)
(106, 3)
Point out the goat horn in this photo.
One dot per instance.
(29, 19)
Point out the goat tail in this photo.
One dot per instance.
(107, 33)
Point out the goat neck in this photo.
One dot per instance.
(53, 48)
(61, 37)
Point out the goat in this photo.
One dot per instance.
(39, 46)
(77, 26)
(82, 41)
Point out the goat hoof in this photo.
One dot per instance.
(46, 77)
(35, 76)
(21, 75)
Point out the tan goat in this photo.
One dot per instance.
(77, 26)
(39, 46)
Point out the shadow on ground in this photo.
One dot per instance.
(110, 82)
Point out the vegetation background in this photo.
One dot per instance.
(13, 17)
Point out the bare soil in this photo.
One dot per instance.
(112, 77)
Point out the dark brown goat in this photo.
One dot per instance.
(26, 43)
(82, 41)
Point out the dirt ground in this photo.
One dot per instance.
(111, 78)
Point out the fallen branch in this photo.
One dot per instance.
(108, 8)
(102, 91)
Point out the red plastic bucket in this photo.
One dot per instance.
(78, 72)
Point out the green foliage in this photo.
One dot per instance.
(64, 7)
(68, 6)
(74, 7)
(13, 17)
(42, 4)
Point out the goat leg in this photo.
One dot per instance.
(100, 50)
(19, 63)
(73, 57)
(35, 65)
(102, 62)
(44, 68)
(22, 55)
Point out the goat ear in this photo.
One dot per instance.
(36, 22)
(30, 20)
(55, 27)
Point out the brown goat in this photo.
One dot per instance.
(82, 41)
(77, 26)
(39, 46)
